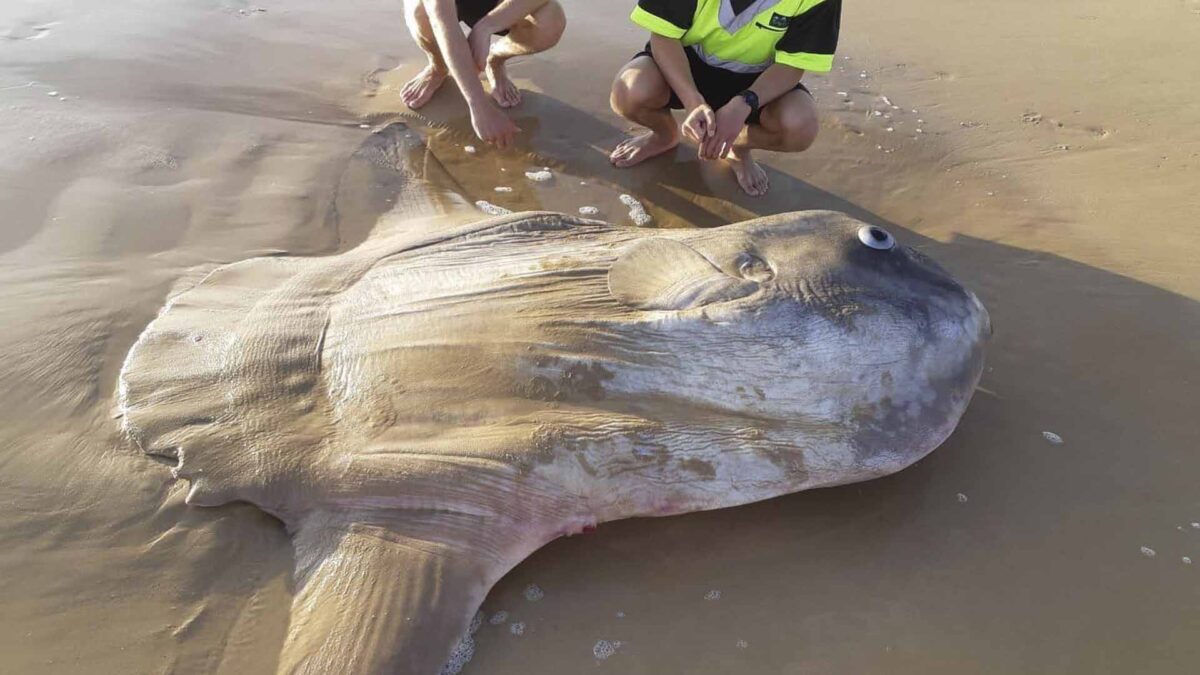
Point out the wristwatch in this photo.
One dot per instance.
(751, 100)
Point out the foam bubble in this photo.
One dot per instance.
(604, 649)
(1148, 552)
(588, 210)
(962, 499)
(714, 594)
(503, 189)
(498, 618)
(517, 628)
(539, 176)
(491, 209)
(469, 149)
(1052, 437)
(476, 623)
(533, 593)
(742, 644)
(637, 212)
(460, 657)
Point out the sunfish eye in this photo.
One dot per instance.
(755, 269)
(876, 237)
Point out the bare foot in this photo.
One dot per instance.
(421, 88)
(637, 149)
(503, 90)
(750, 175)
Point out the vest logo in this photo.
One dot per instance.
(780, 21)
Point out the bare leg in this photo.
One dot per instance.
(533, 26)
(421, 88)
(788, 124)
(640, 94)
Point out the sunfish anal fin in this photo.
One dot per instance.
(371, 600)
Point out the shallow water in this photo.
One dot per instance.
(185, 135)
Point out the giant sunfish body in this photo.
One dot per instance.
(426, 410)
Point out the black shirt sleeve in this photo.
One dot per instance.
(678, 13)
(812, 38)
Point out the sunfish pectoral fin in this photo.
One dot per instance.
(665, 274)
(371, 600)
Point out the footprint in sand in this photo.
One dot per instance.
(242, 8)
(27, 30)
(1059, 126)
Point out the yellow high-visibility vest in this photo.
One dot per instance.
(745, 42)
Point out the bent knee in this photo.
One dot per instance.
(635, 89)
(551, 22)
(543, 29)
(799, 127)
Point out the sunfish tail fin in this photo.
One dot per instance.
(370, 600)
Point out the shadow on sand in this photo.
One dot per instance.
(669, 181)
(954, 551)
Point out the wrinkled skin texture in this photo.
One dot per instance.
(426, 410)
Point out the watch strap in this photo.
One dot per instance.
(751, 100)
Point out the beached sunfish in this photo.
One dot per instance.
(427, 409)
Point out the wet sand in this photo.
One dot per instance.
(1054, 173)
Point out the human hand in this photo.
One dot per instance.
(700, 123)
(731, 119)
(492, 125)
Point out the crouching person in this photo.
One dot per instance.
(735, 68)
(525, 27)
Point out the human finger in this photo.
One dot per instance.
(710, 122)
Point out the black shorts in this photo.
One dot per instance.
(471, 11)
(717, 85)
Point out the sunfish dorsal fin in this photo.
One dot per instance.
(394, 184)
(665, 274)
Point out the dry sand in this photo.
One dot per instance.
(1055, 171)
